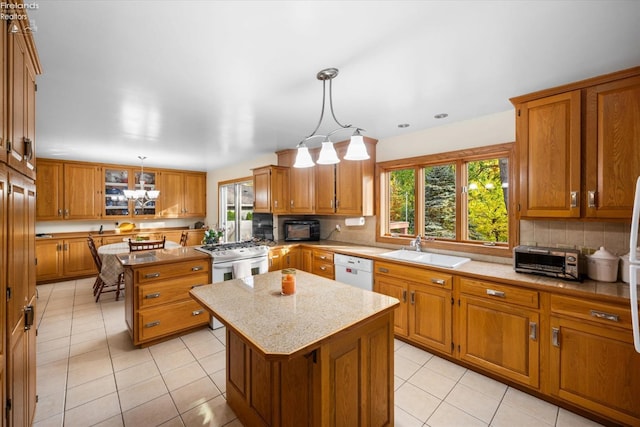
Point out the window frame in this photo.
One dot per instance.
(460, 158)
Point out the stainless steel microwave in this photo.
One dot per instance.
(301, 230)
(553, 262)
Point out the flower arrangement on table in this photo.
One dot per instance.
(212, 235)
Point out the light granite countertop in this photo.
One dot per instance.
(161, 256)
(282, 326)
(502, 273)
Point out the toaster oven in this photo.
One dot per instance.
(552, 262)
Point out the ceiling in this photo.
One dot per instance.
(201, 85)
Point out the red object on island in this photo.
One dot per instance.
(288, 281)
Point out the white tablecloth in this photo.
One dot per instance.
(111, 267)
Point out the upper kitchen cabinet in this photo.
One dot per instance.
(68, 190)
(612, 155)
(577, 148)
(548, 138)
(301, 184)
(347, 188)
(22, 66)
(118, 179)
(271, 189)
(182, 194)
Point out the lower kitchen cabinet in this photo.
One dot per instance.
(425, 312)
(323, 263)
(593, 363)
(287, 257)
(157, 302)
(499, 330)
(63, 258)
(306, 260)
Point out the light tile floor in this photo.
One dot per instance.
(89, 373)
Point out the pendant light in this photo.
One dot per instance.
(144, 197)
(356, 150)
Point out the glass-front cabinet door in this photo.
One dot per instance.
(115, 202)
(139, 203)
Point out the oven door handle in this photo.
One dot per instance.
(228, 264)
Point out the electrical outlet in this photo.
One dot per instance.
(337, 227)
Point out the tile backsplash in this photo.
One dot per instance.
(587, 236)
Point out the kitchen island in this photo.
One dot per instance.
(320, 357)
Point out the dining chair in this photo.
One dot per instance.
(183, 238)
(145, 245)
(99, 286)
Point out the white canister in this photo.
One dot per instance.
(624, 266)
(602, 266)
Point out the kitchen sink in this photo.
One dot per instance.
(427, 258)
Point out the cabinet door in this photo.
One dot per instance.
(195, 190)
(49, 258)
(262, 190)
(430, 320)
(325, 181)
(595, 367)
(307, 260)
(77, 258)
(49, 189)
(171, 197)
(82, 189)
(279, 183)
(398, 289)
(290, 257)
(348, 185)
(548, 142)
(501, 338)
(275, 260)
(3, 267)
(612, 148)
(116, 181)
(302, 190)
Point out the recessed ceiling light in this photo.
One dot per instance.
(441, 116)
(403, 125)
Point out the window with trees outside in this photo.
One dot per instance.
(452, 199)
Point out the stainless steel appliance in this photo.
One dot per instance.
(553, 262)
(634, 267)
(301, 230)
(354, 271)
(229, 257)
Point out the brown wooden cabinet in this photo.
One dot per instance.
(63, 259)
(612, 155)
(4, 181)
(306, 259)
(182, 194)
(499, 330)
(576, 147)
(117, 179)
(50, 189)
(157, 301)
(301, 184)
(82, 187)
(271, 189)
(287, 257)
(323, 263)
(425, 312)
(593, 363)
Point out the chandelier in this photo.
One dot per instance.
(141, 195)
(356, 149)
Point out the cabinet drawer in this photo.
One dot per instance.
(321, 257)
(168, 319)
(599, 312)
(323, 269)
(494, 291)
(415, 274)
(166, 291)
(165, 271)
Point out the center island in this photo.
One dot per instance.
(320, 357)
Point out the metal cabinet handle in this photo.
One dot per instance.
(152, 324)
(331, 203)
(322, 257)
(605, 316)
(291, 203)
(383, 270)
(66, 212)
(323, 268)
(495, 293)
(275, 203)
(337, 203)
(152, 296)
(413, 297)
(533, 331)
(197, 312)
(574, 199)
(151, 275)
(65, 247)
(438, 281)
(404, 295)
(591, 199)
(555, 337)
(59, 212)
(197, 268)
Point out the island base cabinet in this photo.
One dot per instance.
(162, 321)
(596, 368)
(346, 381)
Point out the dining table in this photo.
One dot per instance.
(111, 266)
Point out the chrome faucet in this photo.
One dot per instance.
(417, 242)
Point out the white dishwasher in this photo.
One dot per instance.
(354, 271)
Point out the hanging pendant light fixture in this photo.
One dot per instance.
(356, 150)
(142, 196)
